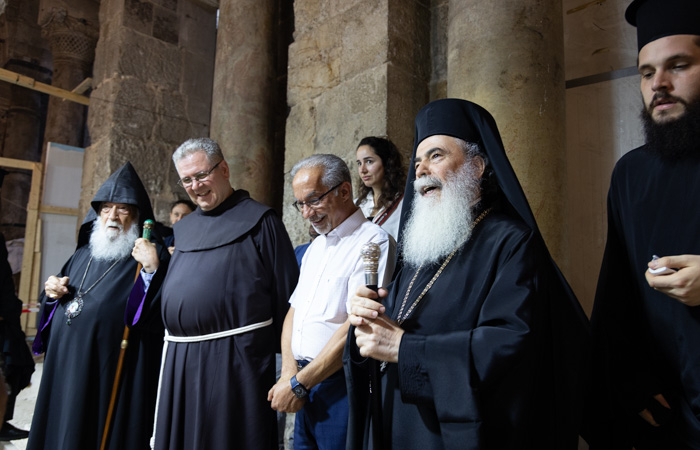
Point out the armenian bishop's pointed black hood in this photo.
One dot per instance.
(123, 186)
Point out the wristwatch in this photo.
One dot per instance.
(299, 390)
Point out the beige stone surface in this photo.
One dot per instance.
(602, 124)
(242, 118)
(597, 37)
(507, 56)
(152, 91)
(356, 69)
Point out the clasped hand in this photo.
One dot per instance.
(376, 335)
(55, 287)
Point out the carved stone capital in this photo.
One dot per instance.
(72, 40)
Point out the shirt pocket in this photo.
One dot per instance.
(334, 294)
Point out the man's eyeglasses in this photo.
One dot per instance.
(201, 177)
(313, 203)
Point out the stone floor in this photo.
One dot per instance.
(24, 408)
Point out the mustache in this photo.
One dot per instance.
(426, 181)
(113, 223)
(663, 95)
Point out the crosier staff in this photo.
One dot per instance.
(147, 227)
(370, 258)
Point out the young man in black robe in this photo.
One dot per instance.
(224, 303)
(479, 339)
(646, 321)
(82, 325)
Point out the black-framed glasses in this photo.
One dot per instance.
(201, 177)
(313, 203)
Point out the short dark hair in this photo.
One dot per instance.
(394, 171)
(181, 201)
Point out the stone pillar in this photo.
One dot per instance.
(356, 69)
(72, 41)
(24, 108)
(22, 141)
(152, 85)
(242, 115)
(508, 56)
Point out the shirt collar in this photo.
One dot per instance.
(348, 226)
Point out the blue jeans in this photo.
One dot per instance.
(322, 424)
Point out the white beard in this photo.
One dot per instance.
(107, 244)
(438, 225)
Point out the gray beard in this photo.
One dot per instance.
(109, 246)
(437, 226)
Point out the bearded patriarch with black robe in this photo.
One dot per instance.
(82, 343)
(493, 338)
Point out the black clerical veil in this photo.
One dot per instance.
(569, 326)
(123, 186)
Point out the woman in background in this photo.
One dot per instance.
(383, 179)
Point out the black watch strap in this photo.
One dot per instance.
(299, 390)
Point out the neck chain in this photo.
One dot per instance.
(75, 307)
(402, 317)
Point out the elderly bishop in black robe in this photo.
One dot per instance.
(480, 341)
(81, 329)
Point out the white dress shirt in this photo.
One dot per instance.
(331, 271)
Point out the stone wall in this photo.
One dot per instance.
(356, 68)
(508, 56)
(152, 90)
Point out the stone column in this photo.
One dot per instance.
(24, 108)
(508, 56)
(22, 141)
(72, 41)
(244, 75)
(356, 69)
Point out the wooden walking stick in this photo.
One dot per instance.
(147, 226)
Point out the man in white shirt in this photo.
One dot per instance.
(312, 383)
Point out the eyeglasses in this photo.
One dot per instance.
(121, 209)
(201, 177)
(313, 203)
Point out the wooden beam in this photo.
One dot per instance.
(83, 86)
(58, 210)
(31, 83)
(19, 164)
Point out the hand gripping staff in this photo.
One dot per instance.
(370, 258)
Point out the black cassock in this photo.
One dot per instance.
(475, 366)
(647, 342)
(233, 266)
(81, 361)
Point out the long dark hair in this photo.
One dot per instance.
(394, 171)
